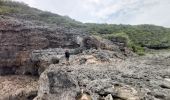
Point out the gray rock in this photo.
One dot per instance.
(21, 37)
(82, 61)
(58, 81)
(108, 97)
(167, 97)
(165, 85)
(101, 56)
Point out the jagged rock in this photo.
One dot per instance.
(126, 92)
(128, 79)
(99, 43)
(96, 70)
(159, 95)
(101, 56)
(83, 96)
(18, 87)
(19, 37)
(42, 59)
(162, 83)
(105, 87)
(108, 97)
(91, 42)
(82, 61)
(165, 85)
(58, 81)
(23, 95)
(62, 85)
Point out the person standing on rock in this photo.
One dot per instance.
(67, 56)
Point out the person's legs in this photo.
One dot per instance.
(67, 61)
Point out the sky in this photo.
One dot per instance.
(132, 12)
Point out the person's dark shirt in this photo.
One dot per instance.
(67, 54)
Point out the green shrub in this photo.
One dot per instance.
(97, 37)
(137, 49)
(129, 43)
(150, 36)
(5, 10)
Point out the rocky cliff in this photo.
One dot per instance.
(19, 37)
(33, 42)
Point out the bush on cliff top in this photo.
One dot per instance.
(127, 41)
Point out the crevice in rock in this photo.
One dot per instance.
(8, 70)
(32, 96)
(103, 96)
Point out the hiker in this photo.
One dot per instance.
(67, 56)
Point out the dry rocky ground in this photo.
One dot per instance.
(133, 78)
(102, 74)
(18, 86)
(112, 72)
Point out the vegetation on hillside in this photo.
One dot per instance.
(137, 37)
(25, 12)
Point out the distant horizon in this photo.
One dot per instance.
(125, 12)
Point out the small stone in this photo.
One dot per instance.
(159, 95)
(82, 61)
(109, 97)
(165, 85)
(167, 79)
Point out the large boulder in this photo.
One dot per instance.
(42, 59)
(57, 86)
(96, 42)
(91, 42)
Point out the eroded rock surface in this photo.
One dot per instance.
(107, 70)
(18, 87)
(19, 37)
(135, 78)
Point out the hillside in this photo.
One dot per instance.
(23, 11)
(104, 59)
(150, 36)
(137, 37)
(24, 29)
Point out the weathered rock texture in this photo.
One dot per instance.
(18, 87)
(19, 37)
(103, 69)
(42, 59)
(63, 83)
(129, 79)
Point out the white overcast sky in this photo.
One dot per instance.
(109, 11)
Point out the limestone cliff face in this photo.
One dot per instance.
(18, 37)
